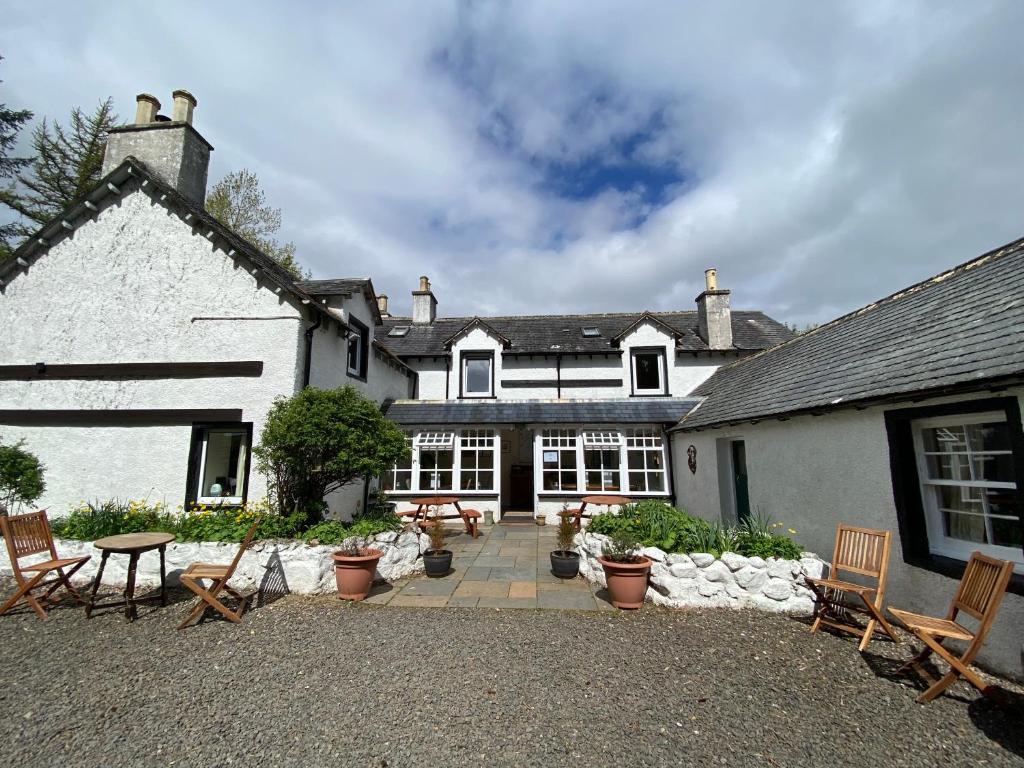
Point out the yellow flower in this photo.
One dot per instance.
(791, 530)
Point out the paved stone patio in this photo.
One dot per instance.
(507, 566)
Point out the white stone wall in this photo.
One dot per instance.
(704, 581)
(136, 285)
(286, 565)
(812, 472)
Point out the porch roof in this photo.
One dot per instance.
(655, 410)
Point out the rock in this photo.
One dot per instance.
(685, 570)
(709, 588)
(387, 536)
(702, 559)
(757, 562)
(677, 559)
(778, 589)
(812, 566)
(659, 569)
(783, 569)
(657, 555)
(717, 571)
(733, 561)
(751, 578)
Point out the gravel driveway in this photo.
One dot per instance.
(315, 682)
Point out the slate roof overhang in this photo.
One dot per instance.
(636, 410)
(477, 322)
(132, 174)
(957, 332)
(344, 286)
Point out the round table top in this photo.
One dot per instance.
(133, 542)
(606, 500)
(434, 500)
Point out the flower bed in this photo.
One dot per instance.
(706, 580)
(275, 565)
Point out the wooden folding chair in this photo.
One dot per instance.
(861, 551)
(219, 575)
(979, 595)
(27, 535)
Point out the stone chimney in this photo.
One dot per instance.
(714, 319)
(424, 305)
(171, 148)
(382, 304)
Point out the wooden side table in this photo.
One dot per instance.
(133, 545)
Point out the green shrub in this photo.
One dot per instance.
(771, 546)
(90, 521)
(21, 477)
(334, 531)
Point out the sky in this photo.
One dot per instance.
(582, 156)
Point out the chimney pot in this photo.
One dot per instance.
(424, 283)
(711, 279)
(146, 107)
(382, 303)
(184, 103)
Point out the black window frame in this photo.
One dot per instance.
(662, 353)
(363, 333)
(475, 354)
(906, 485)
(195, 454)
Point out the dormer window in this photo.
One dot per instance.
(591, 331)
(477, 374)
(399, 330)
(649, 375)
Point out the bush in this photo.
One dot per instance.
(90, 521)
(656, 524)
(21, 477)
(321, 440)
(335, 531)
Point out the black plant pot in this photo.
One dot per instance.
(438, 562)
(565, 565)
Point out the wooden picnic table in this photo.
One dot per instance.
(607, 501)
(423, 505)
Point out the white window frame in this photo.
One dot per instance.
(359, 337)
(660, 353)
(242, 469)
(611, 478)
(479, 442)
(392, 474)
(464, 360)
(599, 438)
(559, 440)
(645, 441)
(938, 542)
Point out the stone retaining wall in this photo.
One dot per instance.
(275, 565)
(729, 581)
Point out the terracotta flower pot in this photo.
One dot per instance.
(354, 573)
(627, 582)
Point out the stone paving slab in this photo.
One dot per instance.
(506, 567)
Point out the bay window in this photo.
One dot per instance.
(968, 485)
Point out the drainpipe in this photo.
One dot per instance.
(309, 349)
(558, 373)
(669, 467)
(447, 375)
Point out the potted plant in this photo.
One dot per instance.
(625, 570)
(354, 568)
(437, 560)
(565, 563)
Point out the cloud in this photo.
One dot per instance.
(584, 156)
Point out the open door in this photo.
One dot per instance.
(739, 480)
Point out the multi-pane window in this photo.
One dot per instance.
(436, 460)
(645, 461)
(476, 459)
(558, 459)
(399, 477)
(968, 487)
(601, 459)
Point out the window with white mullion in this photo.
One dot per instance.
(645, 461)
(559, 465)
(477, 460)
(968, 487)
(400, 476)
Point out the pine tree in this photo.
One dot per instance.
(66, 166)
(239, 203)
(11, 122)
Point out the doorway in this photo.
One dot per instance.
(517, 492)
(739, 480)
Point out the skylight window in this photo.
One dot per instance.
(591, 331)
(399, 330)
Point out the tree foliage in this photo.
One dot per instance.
(21, 477)
(66, 166)
(11, 123)
(320, 440)
(239, 203)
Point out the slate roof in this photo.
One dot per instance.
(655, 410)
(562, 333)
(340, 286)
(958, 330)
(128, 176)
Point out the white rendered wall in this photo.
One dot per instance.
(136, 285)
(685, 372)
(813, 472)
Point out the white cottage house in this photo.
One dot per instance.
(526, 414)
(903, 415)
(144, 342)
